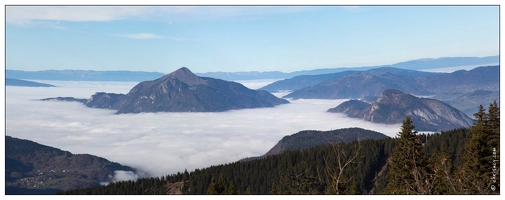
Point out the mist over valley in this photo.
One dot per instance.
(164, 143)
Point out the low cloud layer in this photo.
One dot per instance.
(163, 143)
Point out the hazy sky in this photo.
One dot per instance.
(242, 38)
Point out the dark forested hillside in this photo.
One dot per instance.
(32, 168)
(306, 139)
(293, 172)
(442, 163)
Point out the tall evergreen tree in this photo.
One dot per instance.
(248, 190)
(221, 185)
(441, 163)
(212, 187)
(231, 189)
(478, 169)
(409, 172)
(494, 144)
(275, 189)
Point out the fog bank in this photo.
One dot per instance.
(163, 143)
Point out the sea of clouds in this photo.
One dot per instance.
(163, 143)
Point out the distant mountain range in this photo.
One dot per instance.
(360, 85)
(91, 75)
(394, 106)
(182, 91)
(32, 168)
(299, 82)
(370, 84)
(17, 82)
(419, 64)
(348, 84)
(312, 138)
(82, 75)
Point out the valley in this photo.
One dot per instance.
(193, 139)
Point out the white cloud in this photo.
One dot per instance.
(120, 175)
(23, 15)
(162, 143)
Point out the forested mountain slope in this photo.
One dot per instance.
(38, 169)
(450, 162)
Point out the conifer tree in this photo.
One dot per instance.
(185, 182)
(494, 145)
(218, 187)
(409, 172)
(441, 163)
(478, 169)
(275, 189)
(221, 185)
(248, 190)
(231, 189)
(212, 187)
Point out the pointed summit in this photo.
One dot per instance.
(185, 75)
(183, 91)
(183, 71)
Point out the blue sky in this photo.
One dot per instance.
(242, 38)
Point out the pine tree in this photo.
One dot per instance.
(248, 190)
(494, 144)
(212, 187)
(185, 182)
(232, 190)
(476, 173)
(221, 185)
(409, 172)
(441, 163)
(275, 189)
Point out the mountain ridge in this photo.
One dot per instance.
(92, 75)
(183, 91)
(393, 106)
(312, 138)
(25, 83)
(30, 165)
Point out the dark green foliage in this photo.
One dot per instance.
(231, 190)
(212, 186)
(140, 186)
(297, 172)
(248, 191)
(303, 170)
(312, 138)
(479, 173)
(408, 174)
(300, 183)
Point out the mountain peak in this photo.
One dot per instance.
(390, 92)
(393, 106)
(185, 75)
(183, 71)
